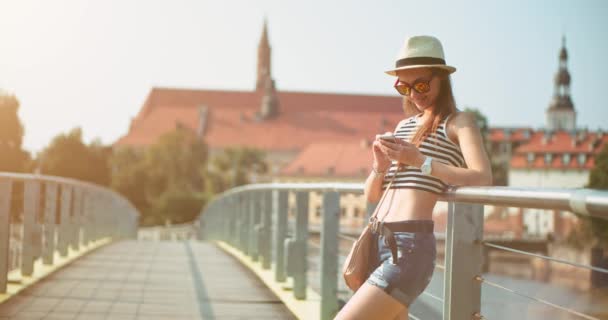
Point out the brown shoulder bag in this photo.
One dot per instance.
(356, 266)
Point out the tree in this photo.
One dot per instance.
(234, 167)
(13, 159)
(499, 170)
(598, 179)
(129, 176)
(592, 230)
(175, 185)
(68, 156)
(166, 180)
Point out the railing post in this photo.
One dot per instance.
(6, 192)
(297, 247)
(30, 211)
(265, 235)
(76, 219)
(50, 207)
(463, 261)
(245, 224)
(236, 220)
(280, 212)
(64, 227)
(86, 211)
(329, 254)
(254, 216)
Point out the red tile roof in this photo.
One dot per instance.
(327, 159)
(304, 118)
(509, 134)
(557, 144)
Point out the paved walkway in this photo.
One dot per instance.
(149, 280)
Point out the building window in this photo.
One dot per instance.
(356, 212)
(530, 157)
(566, 158)
(548, 158)
(343, 211)
(318, 211)
(582, 158)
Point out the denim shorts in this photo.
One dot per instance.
(406, 280)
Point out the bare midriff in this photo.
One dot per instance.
(407, 204)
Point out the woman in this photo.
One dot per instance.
(435, 146)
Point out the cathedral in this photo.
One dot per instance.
(332, 131)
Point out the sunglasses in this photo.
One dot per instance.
(421, 86)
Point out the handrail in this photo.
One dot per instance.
(587, 202)
(74, 213)
(252, 217)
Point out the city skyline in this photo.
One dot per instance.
(94, 55)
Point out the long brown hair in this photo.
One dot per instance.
(444, 106)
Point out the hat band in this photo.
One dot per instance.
(418, 60)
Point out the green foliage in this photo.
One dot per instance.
(598, 179)
(68, 156)
(177, 205)
(499, 171)
(234, 167)
(13, 158)
(129, 176)
(166, 180)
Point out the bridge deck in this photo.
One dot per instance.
(149, 280)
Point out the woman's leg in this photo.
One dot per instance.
(370, 302)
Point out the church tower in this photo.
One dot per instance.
(263, 60)
(265, 84)
(561, 114)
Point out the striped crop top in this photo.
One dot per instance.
(437, 145)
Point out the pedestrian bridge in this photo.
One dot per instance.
(72, 250)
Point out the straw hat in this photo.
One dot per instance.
(420, 52)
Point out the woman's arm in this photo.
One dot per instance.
(478, 171)
(373, 187)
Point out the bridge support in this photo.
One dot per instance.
(463, 261)
(296, 247)
(329, 255)
(5, 208)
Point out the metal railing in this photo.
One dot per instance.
(41, 215)
(254, 219)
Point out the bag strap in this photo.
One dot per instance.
(373, 216)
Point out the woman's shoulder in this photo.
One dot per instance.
(462, 119)
(457, 120)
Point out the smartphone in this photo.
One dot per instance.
(387, 136)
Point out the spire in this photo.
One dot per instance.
(264, 38)
(561, 114)
(562, 77)
(263, 69)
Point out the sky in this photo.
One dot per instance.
(91, 64)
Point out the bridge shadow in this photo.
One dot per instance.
(205, 308)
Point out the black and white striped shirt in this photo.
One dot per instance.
(437, 146)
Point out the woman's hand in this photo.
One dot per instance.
(402, 151)
(381, 160)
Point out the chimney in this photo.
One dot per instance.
(202, 120)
